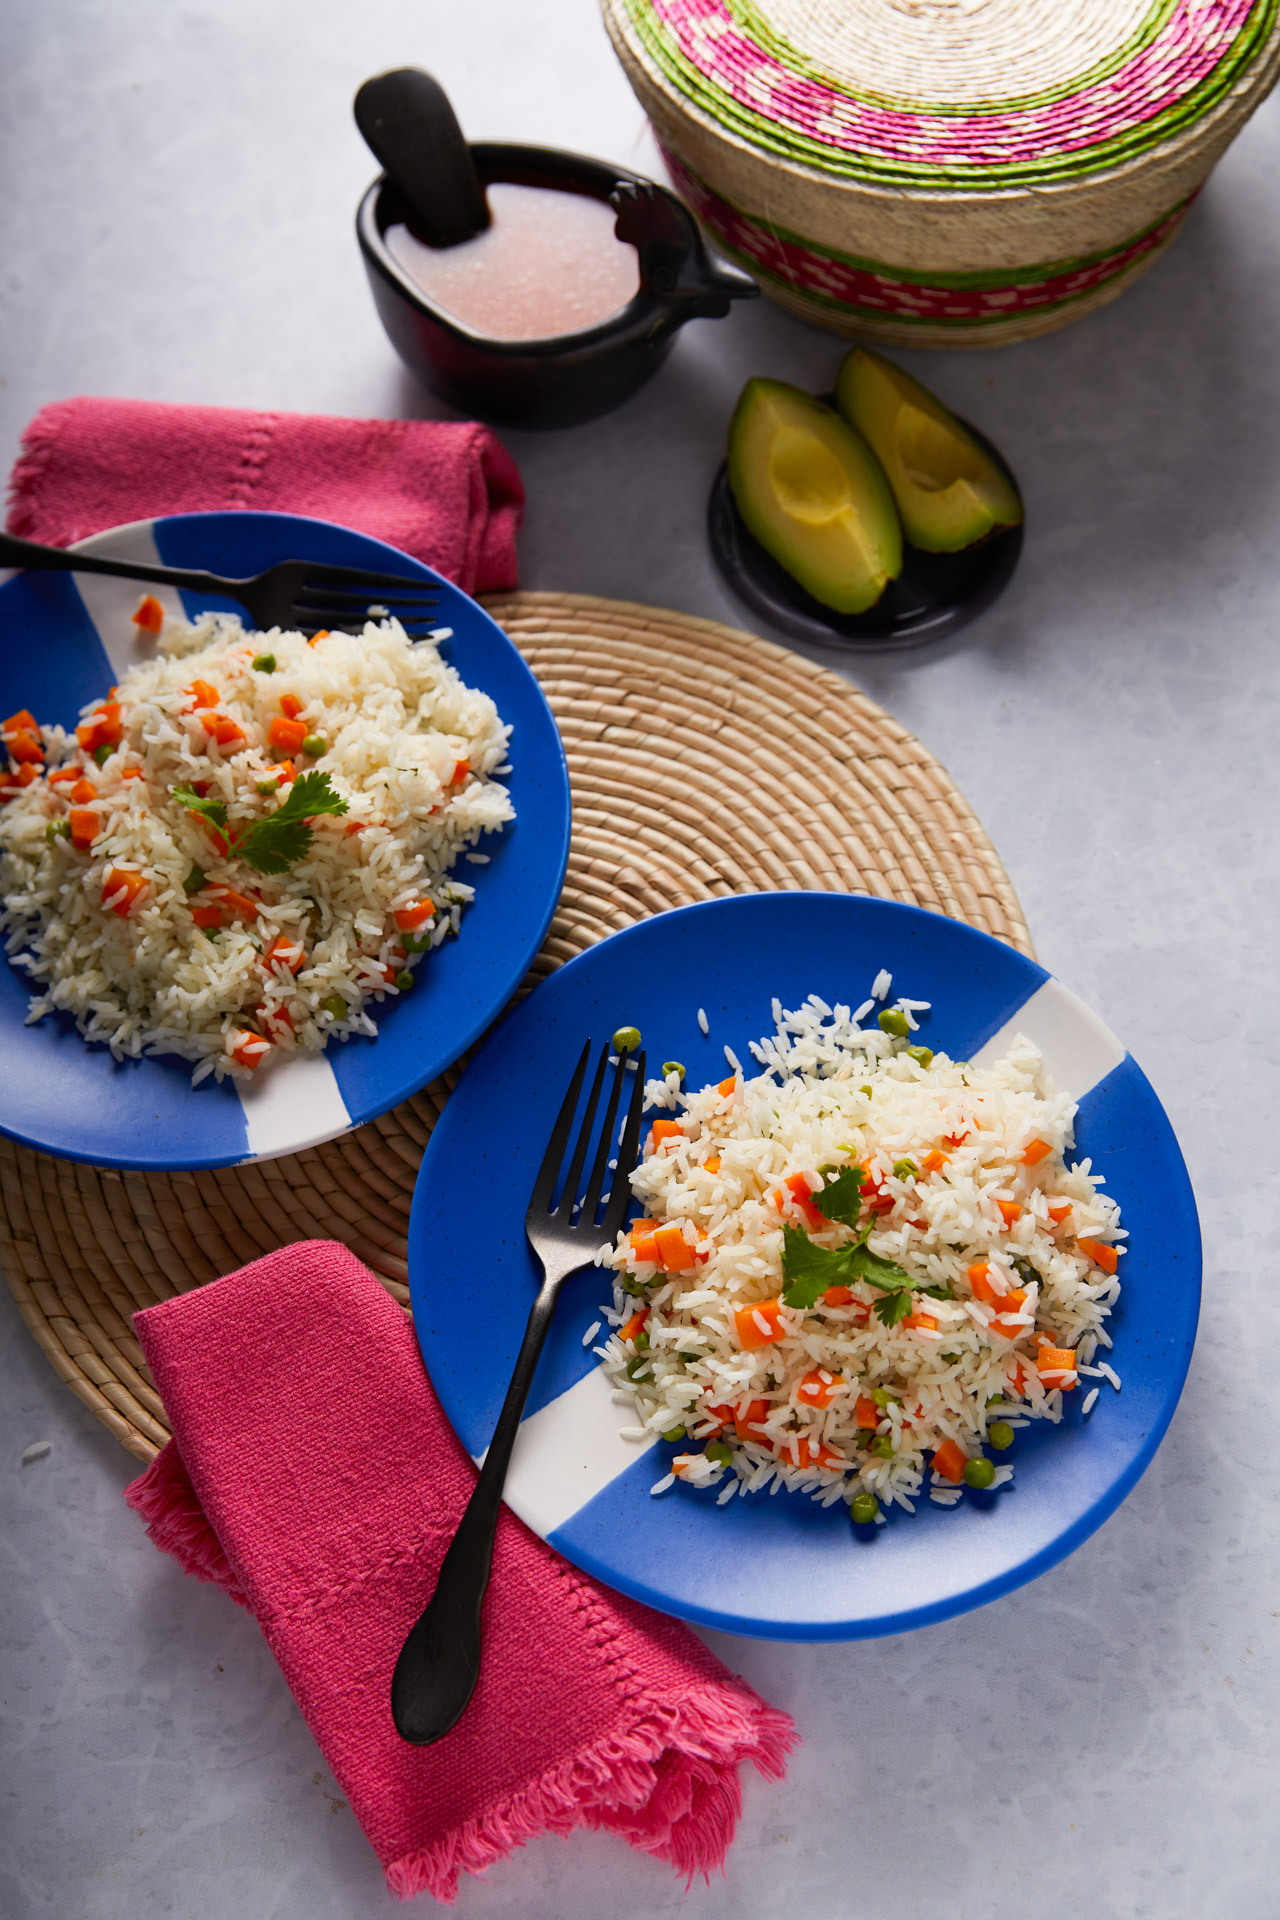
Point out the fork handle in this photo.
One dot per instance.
(439, 1664)
(36, 558)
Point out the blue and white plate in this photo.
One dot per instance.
(64, 639)
(778, 1566)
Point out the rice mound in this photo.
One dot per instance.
(411, 749)
(842, 1404)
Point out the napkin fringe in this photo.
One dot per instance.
(669, 1786)
(165, 1499)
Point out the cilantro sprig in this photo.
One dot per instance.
(842, 1199)
(276, 841)
(809, 1271)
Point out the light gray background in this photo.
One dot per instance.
(179, 183)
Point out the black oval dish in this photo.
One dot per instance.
(934, 595)
(573, 376)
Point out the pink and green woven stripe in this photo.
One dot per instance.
(854, 288)
(1171, 67)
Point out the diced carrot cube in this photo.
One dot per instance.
(838, 1296)
(934, 1162)
(286, 735)
(640, 1229)
(1009, 1211)
(660, 1132)
(630, 1328)
(201, 694)
(949, 1461)
(724, 1416)
(1055, 1360)
(1036, 1152)
(85, 825)
(749, 1424)
(1018, 1377)
(238, 903)
(866, 1414)
(712, 1163)
(925, 1320)
(61, 774)
(207, 916)
(149, 614)
(727, 1086)
(1100, 1253)
(407, 918)
(82, 792)
(807, 1450)
(1059, 1210)
(759, 1324)
(248, 1049)
(121, 889)
(25, 748)
(291, 706)
(674, 1250)
(980, 1280)
(817, 1392)
(229, 732)
(1004, 1323)
(285, 953)
(461, 768)
(23, 721)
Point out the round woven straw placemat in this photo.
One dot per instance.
(704, 762)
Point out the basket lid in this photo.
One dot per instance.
(974, 94)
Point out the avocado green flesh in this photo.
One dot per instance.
(813, 494)
(948, 489)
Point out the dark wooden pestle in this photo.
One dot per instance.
(406, 119)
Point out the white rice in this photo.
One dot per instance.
(397, 722)
(832, 1095)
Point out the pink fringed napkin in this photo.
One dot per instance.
(445, 490)
(313, 1476)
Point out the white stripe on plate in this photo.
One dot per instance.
(568, 1452)
(292, 1103)
(1078, 1049)
(111, 603)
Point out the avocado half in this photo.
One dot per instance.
(814, 495)
(949, 490)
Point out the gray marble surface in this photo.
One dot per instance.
(176, 221)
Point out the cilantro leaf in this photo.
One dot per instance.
(876, 1272)
(894, 1306)
(842, 1200)
(809, 1270)
(937, 1293)
(214, 811)
(273, 844)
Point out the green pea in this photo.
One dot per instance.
(641, 1341)
(979, 1472)
(57, 830)
(904, 1169)
(637, 1368)
(102, 754)
(336, 1005)
(404, 981)
(631, 1285)
(264, 663)
(626, 1040)
(1000, 1435)
(923, 1056)
(716, 1450)
(314, 744)
(893, 1020)
(864, 1507)
(949, 1359)
(883, 1399)
(194, 880)
(270, 785)
(415, 942)
(882, 1446)
(674, 1433)
(673, 1066)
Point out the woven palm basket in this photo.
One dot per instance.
(703, 762)
(944, 173)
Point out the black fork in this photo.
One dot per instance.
(305, 596)
(439, 1664)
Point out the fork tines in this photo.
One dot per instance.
(540, 1207)
(343, 597)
